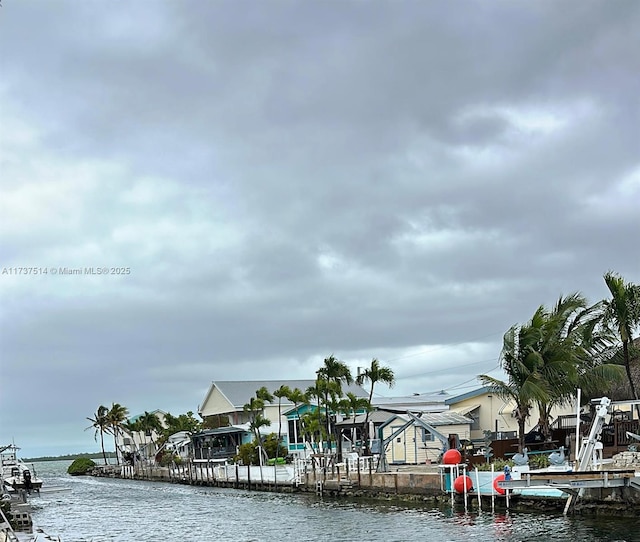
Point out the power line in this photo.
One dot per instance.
(442, 347)
(445, 369)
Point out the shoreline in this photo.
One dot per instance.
(408, 484)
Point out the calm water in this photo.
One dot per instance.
(104, 509)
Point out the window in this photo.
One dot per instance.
(295, 432)
(426, 436)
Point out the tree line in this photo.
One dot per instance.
(114, 421)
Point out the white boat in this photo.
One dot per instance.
(16, 474)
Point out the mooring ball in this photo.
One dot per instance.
(452, 457)
(460, 483)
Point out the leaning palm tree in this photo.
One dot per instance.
(374, 374)
(100, 423)
(116, 416)
(524, 384)
(150, 424)
(622, 312)
(131, 428)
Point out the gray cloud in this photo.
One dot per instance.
(398, 180)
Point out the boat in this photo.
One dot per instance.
(16, 474)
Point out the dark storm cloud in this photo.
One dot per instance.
(294, 179)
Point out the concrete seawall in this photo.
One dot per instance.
(407, 484)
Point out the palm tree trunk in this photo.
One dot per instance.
(104, 455)
(627, 366)
(521, 422)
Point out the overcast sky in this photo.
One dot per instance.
(285, 180)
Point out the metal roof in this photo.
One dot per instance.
(470, 394)
(442, 418)
(238, 392)
(376, 417)
(222, 431)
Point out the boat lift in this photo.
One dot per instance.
(414, 419)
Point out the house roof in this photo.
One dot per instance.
(238, 392)
(469, 395)
(441, 418)
(222, 431)
(427, 402)
(465, 410)
(376, 417)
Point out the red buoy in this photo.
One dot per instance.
(498, 489)
(460, 483)
(452, 457)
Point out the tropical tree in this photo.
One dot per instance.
(116, 416)
(183, 422)
(550, 356)
(314, 422)
(130, 428)
(298, 397)
(283, 391)
(255, 409)
(100, 422)
(622, 312)
(374, 374)
(524, 384)
(330, 378)
(350, 406)
(569, 349)
(150, 424)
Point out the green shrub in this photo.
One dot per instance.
(247, 454)
(539, 461)
(498, 465)
(81, 466)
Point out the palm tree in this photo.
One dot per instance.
(298, 397)
(524, 385)
(622, 312)
(350, 407)
(329, 382)
(116, 416)
(254, 408)
(282, 391)
(374, 374)
(150, 424)
(130, 428)
(310, 420)
(100, 423)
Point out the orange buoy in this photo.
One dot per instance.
(498, 489)
(452, 457)
(460, 483)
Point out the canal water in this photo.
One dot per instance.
(106, 509)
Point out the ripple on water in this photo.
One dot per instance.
(110, 510)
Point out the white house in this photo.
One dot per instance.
(225, 400)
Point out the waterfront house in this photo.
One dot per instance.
(140, 444)
(220, 443)
(223, 405)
